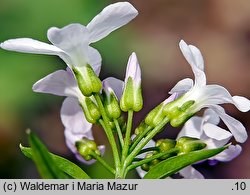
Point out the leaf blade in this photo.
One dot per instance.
(43, 160)
(65, 165)
(176, 163)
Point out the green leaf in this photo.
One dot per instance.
(65, 165)
(174, 164)
(43, 160)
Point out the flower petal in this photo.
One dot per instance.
(73, 118)
(235, 126)
(192, 128)
(242, 103)
(195, 59)
(182, 86)
(94, 59)
(60, 83)
(73, 39)
(211, 117)
(113, 84)
(28, 45)
(216, 132)
(229, 154)
(133, 69)
(109, 19)
(191, 173)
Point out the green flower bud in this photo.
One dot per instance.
(155, 116)
(88, 81)
(149, 165)
(132, 97)
(90, 110)
(189, 144)
(141, 128)
(111, 105)
(86, 147)
(165, 144)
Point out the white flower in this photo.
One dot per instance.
(207, 95)
(71, 43)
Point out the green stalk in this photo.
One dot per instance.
(108, 131)
(140, 145)
(146, 160)
(127, 135)
(119, 132)
(103, 162)
(138, 138)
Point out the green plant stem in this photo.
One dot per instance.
(140, 145)
(156, 156)
(127, 135)
(148, 150)
(119, 132)
(108, 131)
(103, 162)
(138, 138)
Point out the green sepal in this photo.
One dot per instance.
(188, 144)
(132, 97)
(174, 164)
(87, 80)
(91, 110)
(63, 164)
(155, 116)
(111, 105)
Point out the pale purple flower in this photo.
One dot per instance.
(71, 43)
(204, 95)
(208, 95)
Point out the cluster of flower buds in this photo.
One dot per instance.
(87, 149)
(169, 148)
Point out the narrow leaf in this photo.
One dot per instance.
(174, 164)
(43, 160)
(65, 165)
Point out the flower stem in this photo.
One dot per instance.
(108, 130)
(127, 135)
(140, 145)
(119, 132)
(138, 138)
(156, 156)
(103, 162)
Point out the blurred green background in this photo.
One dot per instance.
(221, 29)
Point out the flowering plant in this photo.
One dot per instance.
(112, 103)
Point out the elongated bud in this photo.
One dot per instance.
(111, 105)
(132, 96)
(86, 147)
(189, 144)
(87, 80)
(90, 109)
(155, 116)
